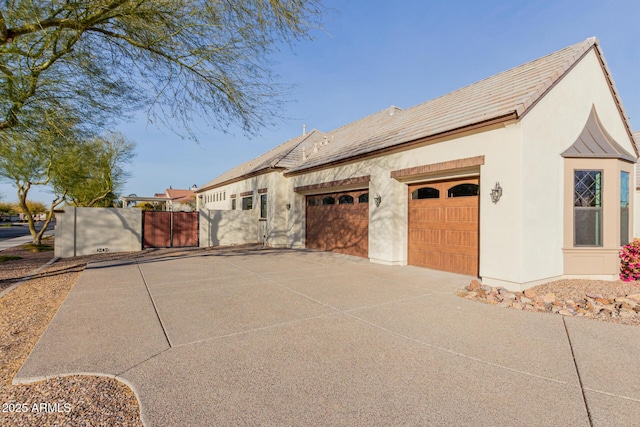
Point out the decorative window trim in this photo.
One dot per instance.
(433, 168)
(360, 181)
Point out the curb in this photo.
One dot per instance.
(28, 277)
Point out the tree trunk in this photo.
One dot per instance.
(22, 201)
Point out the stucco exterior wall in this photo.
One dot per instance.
(388, 228)
(224, 228)
(551, 127)
(86, 231)
(272, 230)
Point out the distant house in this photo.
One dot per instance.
(518, 179)
(179, 200)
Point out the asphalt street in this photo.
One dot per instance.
(12, 230)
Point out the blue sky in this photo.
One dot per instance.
(373, 54)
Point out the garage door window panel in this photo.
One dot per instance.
(425, 193)
(328, 201)
(463, 190)
(345, 200)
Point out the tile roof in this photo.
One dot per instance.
(508, 94)
(269, 160)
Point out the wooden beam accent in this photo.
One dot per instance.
(246, 193)
(438, 167)
(262, 190)
(334, 184)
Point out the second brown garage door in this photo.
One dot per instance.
(443, 225)
(339, 222)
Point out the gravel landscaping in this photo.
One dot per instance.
(25, 313)
(607, 301)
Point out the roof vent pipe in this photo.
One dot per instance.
(304, 129)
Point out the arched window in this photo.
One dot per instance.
(312, 202)
(363, 198)
(345, 200)
(463, 190)
(328, 201)
(425, 193)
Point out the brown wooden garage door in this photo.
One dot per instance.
(443, 225)
(339, 222)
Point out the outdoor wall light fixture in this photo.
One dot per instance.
(377, 199)
(288, 205)
(496, 193)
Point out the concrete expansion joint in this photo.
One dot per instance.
(407, 338)
(119, 377)
(155, 308)
(250, 331)
(575, 364)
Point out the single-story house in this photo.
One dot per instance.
(178, 200)
(517, 179)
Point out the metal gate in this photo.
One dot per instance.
(170, 229)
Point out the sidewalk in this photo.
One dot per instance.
(16, 241)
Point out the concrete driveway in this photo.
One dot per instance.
(301, 338)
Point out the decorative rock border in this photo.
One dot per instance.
(594, 306)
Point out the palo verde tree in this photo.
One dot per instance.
(26, 160)
(91, 173)
(84, 173)
(92, 61)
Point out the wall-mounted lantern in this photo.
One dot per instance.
(378, 199)
(288, 206)
(496, 193)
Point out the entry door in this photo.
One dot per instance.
(444, 225)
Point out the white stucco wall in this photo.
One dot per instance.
(86, 231)
(274, 229)
(224, 228)
(551, 127)
(388, 233)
